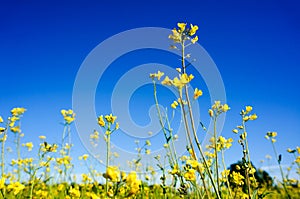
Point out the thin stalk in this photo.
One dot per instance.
(19, 156)
(186, 124)
(107, 159)
(216, 154)
(246, 143)
(4, 137)
(224, 166)
(281, 171)
(161, 120)
(70, 141)
(193, 123)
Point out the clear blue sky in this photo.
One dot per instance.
(255, 45)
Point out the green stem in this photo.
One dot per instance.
(172, 161)
(107, 158)
(193, 125)
(216, 154)
(19, 156)
(281, 171)
(4, 137)
(227, 182)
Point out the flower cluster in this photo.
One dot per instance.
(69, 115)
(184, 33)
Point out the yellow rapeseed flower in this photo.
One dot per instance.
(17, 111)
(194, 40)
(193, 30)
(167, 81)
(237, 178)
(2, 129)
(69, 115)
(253, 117)
(1, 119)
(211, 113)
(176, 36)
(110, 118)
(74, 192)
(29, 145)
(42, 137)
(2, 182)
(101, 121)
(181, 26)
(174, 104)
(197, 93)
(16, 187)
(190, 175)
(15, 129)
(157, 75)
(112, 173)
(248, 109)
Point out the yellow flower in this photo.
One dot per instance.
(112, 173)
(297, 159)
(2, 129)
(17, 111)
(193, 30)
(237, 178)
(253, 117)
(174, 104)
(148, 143)
(248, 109)
(176, 37)
(133, 183)
(225, 108)
(235, 131)
(167, 81)
(197, 93)
(101, 121)
(74, 192)
(157, 75)
(194, 163)
(290, 150)
(69, 115)
(194, 40)
(175, 170)
(16, 187)
(246, 118)
(190, 175)
(147, 151)
(84, 157)
(182, 80)
(271, 134)
(29, 145)
(42, 137)
(181, 26)
(1, 119)
(2, 183)
(240, 127)
(15, 129)
(211, 113)
(110, 118)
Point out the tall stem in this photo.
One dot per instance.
(19, 156)
(281, 171)
(216, 154)
(107, 158)
(193, 123)
(227, 181)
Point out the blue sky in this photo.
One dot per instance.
(254, 44)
